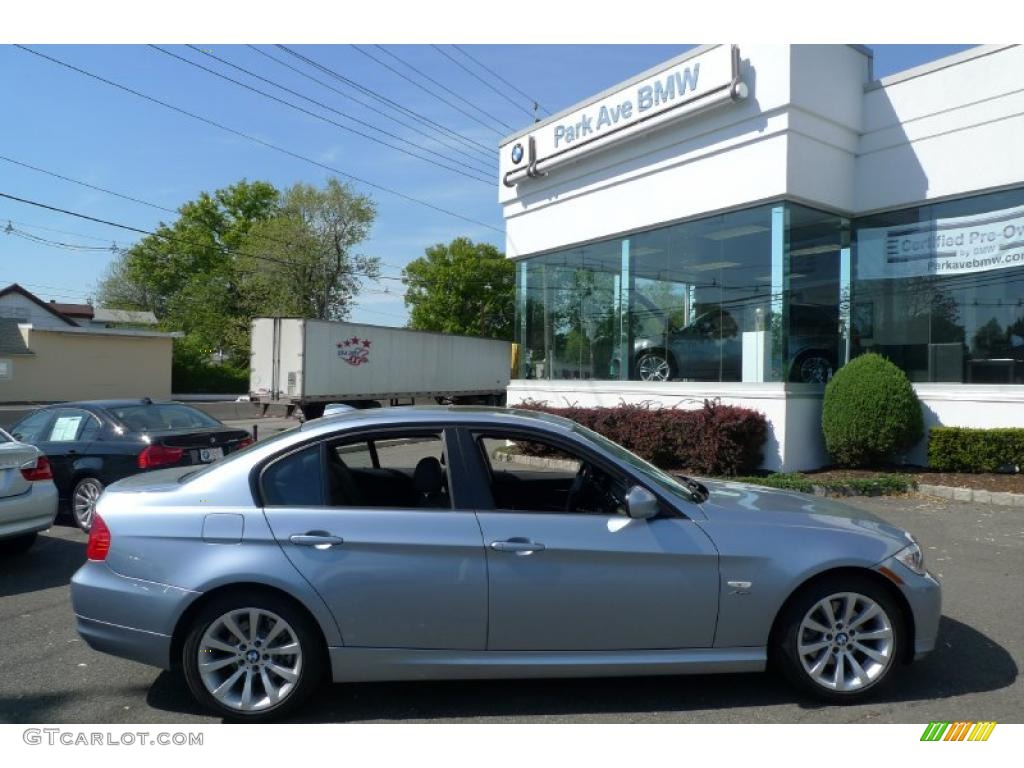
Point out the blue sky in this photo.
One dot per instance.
(75, 126)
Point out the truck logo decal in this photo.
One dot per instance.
(354, 351)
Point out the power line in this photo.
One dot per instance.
(427, 90)
(489, 151)
(220, 248)
(439, 136)
(440, 85)
(480, 64)
(257, 140)
(503, 95)
(371, 126)
(86, 184)
(305, 111)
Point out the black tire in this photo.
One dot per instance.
(307, 635)
(312, 411)
(785, 657)
(77, 516)
(18, 545)
(812, 367)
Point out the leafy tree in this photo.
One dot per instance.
(462, 287)
(243, 251)
(306, 264)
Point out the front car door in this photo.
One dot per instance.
(584, 576)
(376, 523)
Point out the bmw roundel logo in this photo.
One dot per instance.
(517, 153)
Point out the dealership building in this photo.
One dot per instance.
(737, 223)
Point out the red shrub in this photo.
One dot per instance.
(715, 439)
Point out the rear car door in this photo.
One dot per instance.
(374, 523)
(584, 576)
(66, 443)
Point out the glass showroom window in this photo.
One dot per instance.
(939, 289)
(707, 300)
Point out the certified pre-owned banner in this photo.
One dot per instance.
(977, 243)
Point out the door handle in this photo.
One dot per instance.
(517, 546)
(318, 540)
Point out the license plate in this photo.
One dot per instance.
(207, 455)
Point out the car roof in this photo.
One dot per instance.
(448, 414)
(110, 403)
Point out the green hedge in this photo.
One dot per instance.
(879, 485)
(959, 449)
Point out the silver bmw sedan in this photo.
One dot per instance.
(454, 543)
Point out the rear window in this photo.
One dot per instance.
(156, 417)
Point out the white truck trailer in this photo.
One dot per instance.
(309, 363)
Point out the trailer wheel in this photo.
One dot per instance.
(312, 411)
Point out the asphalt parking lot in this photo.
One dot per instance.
(48, 675)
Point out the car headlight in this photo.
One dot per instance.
(912, 557)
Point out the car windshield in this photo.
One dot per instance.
(160, 416)
(650, 472)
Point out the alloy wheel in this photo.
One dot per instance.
(653, 367)
(814, 369)
(846, 642)
(83, 504)
(250, 659)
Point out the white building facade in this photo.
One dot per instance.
(739, 222)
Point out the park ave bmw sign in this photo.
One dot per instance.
(696, 82)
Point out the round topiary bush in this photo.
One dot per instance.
(871, 413)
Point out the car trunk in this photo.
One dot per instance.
(200, 445)
(13, 456)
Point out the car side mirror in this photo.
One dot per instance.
(641, 504)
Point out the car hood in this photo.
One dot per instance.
(740, 503)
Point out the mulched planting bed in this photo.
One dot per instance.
(983, 482)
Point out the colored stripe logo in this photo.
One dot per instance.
(958, 731)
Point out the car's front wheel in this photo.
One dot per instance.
(839, 640)
(252, 658)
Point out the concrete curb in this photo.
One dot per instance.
(999, 498)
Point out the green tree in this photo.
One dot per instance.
(186, 273)
(244, 251)
(302, 259)
(462, 287)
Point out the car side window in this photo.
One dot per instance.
(91, 427)
(67, 425)
(30, 429)
(392, 470)
(533, 475)
(295, 480)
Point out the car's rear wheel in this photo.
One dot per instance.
(83, 501)
(839, 640)
(252, 658)
(654, 366)
(813, 368)
(17, 545)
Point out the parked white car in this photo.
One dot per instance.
(28, 497)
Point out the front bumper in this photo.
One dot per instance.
(29, 512)
(127, 617)
(924, 595)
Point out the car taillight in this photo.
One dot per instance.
(99, 539)
(41, 471)
(245, 442)
(159, 456)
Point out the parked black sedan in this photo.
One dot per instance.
(91, 444)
